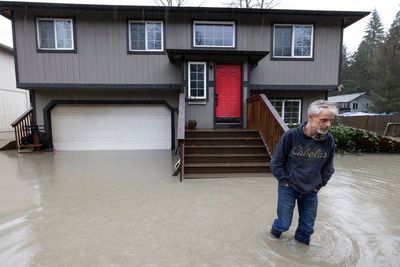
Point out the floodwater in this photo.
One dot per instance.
(123, 208)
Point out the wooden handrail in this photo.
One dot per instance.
(22, 117)
(263, 117)
(181, 118)
(181, 135)
(25, 126)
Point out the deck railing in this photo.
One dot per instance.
(263, 117)
(181, 135)
(24, 128)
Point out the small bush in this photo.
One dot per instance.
(349, 139)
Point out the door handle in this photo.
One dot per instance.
(216, 99)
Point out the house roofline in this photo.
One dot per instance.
(349, 17)
(6, 47)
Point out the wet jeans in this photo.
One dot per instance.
(307, 206)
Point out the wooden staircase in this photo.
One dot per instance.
(221, 152)
(27, 133)
(212, 153)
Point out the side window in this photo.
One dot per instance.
(293, 41)
(146, 36)
(288, 109)
(197, 80)
(55, 34)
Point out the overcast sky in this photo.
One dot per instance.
(387, 10)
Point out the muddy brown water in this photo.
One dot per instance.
(118, 208)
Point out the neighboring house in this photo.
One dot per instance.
(357, 102)
(109, 77)
(13, 101)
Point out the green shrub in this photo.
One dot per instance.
(349, 139)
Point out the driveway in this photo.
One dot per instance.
(123, 208)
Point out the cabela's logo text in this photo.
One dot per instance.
(308, 153)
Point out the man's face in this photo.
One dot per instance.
(323, 122)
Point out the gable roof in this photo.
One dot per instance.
(345, 98)
(349, 17)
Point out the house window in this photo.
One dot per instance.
(213, 34)
(344, 105)
(197, 80)
(288, 109)
(55, 34)
(293, 41)
(355, 105)
(145, 36)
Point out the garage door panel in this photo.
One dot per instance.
(111, 127)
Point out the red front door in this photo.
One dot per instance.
(228, 93)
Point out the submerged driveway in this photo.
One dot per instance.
(123, 208)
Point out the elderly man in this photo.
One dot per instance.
(303, 163)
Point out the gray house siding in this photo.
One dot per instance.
(102, 58)
(322, 70)
(44, 96)
(364, 104)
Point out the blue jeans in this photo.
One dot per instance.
(307, 206)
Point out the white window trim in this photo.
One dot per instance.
(214, 23)
(55, 33)
(204, 80)
(292, 48)
(145, 33)
(283, 108)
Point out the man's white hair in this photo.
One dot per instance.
(317, 106)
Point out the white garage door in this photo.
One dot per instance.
(111, 127)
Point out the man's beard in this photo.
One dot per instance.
(322, 131)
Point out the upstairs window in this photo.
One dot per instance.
(213, 34)
(197, 80)
(145, 36)
(293, 41)
(55, 34)
(288, 109)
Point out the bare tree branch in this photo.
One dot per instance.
(170, 2)
(265, 4)
(199, 5)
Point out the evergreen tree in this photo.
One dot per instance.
(347, 75)
(386, 89)
(362, 69)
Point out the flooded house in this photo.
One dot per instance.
(111, 77)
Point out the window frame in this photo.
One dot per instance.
(190, 97)
(283, 100)
(292, 56)
(146, 50)
(56, 49)
(233, 23)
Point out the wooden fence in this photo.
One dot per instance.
(375, 124)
